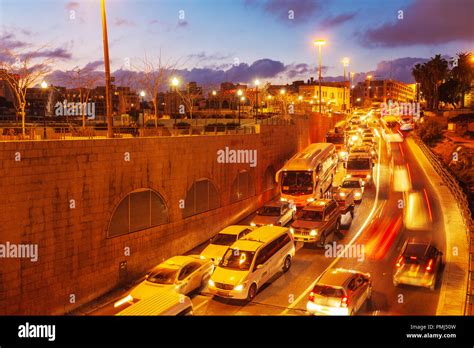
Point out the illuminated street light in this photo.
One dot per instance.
(142, 94)
(282, 91)
(345, 63)
(44, 84)
(175, 84)
(214, 93)
(320, 44)
(257, 83)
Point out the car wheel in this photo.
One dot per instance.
(322, 241)
(287, 264)
(252, 292)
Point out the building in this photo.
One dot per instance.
(370, 91)
(335, 96)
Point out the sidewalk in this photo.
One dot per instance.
(452, 295)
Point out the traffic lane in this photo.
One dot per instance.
(283, 289)
(387, 299)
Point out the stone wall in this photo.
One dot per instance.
(77, 260)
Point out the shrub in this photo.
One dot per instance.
(430, 131)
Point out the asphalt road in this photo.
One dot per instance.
(377, 229)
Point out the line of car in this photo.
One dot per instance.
(240, 259)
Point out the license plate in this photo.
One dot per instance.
(222, 293)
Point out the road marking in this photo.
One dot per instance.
(361, 229)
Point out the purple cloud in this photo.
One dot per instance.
(58, 53)
(303, 10)
(71, 5)
(8, 42)
(331, 22)
(122, 22)
(438, 22)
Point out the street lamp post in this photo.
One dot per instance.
(257, 82)
(282, 93)
(300, 98)
(345, 63)
(142, 94)
(320, 44)
(44, 85)
(240, 98)
(175, 84)
(214, 93)
(108, 97)
(369, 78)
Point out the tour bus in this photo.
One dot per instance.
(308, 174)
(360, 165)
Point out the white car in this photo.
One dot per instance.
(274, 214)
(223, 240)
(339, 292)
(252, 261)
(182, 274)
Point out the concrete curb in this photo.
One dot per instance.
(452, 295)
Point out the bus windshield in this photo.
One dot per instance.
(297, 182)
(358, 164)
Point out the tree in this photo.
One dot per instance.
(450, 92)
(430, 131)
(463, 73)
(154, 77)
(22, 71)
(190, 96)
(82, 80)
(430, 76)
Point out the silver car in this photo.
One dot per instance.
(274, 214)
(339, 292)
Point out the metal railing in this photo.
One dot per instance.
(463, 204)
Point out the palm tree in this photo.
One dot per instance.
(430, 76)
(463, 72)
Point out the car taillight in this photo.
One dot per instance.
(430, 263)
(399, 262)
(311, 296)
(344, 302)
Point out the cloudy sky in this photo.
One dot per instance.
(239, 40)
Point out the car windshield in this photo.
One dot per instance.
(310, 215)
(236, 259)
(297, 182)
(224, 239)
(351, 184)
(328, 291)
(335, 138)
(269, 211)
(163, 276)
(361, 163)
(415, 250)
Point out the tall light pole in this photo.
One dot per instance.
(282, 93)
(142, 94)
(257, 82)
(239, 97)
(175, 84)
(369, 78)
(214, 93)
(44, 85)
(345, 63)
(108, 89)
(320, 44)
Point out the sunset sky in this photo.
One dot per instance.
(218, 35)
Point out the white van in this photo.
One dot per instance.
(251, 261)
(164, 302)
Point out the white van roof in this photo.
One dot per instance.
(264, 234)
(165, 302)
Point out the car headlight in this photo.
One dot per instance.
(253, 224)
(313, 233)
(357, 194)
(368, 176)
(342, 194)
(282, 199)
(343, 153)
(348, 176)
(292, 230)
(310, 200)
(211, 283)
(239, 287)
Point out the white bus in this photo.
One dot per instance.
(308, 174)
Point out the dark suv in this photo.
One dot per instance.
(315, 222)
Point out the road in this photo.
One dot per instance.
(377, 227)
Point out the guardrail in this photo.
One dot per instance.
(463, 205)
